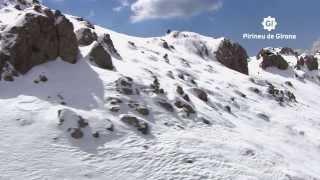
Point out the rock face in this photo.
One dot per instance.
(101, 57)
(19, 4)
(39, 39)
(311, 62)
(233, 56)
(288, 51)
(271, 59)
(86, 36)
(107, 42)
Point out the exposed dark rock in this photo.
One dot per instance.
(109, 125)
(132, 44)
(311, 63)
(264, 117)
(205, 121)
(43, 78)
(264, 52)
(115, 109)
(188, 160)
(255, 90)
(240, 93)
(201, 94)
(167, 106)
(76, 133)
(233, 56)
(96, 134)
(288, 51)
(140, 124)
(67, 41)
(166, 58)
(186, 97)
(143, 110)
(39, 39)
(281, 96)
(86, 36)
(180, 90)
(289, 83)
(8, 76)
(228, 109)
(114, 100)
(249, 152)
(155, 86)
(300, 63)
(101, 57)
(124, 85)
(107, 42)
(185, 106)
(165, 45)
(272, 60)
(82, 122)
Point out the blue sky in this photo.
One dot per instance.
(228, 18)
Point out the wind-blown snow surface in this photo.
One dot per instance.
(259, 139)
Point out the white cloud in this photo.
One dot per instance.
(165, 9)
(316, 46)
(123, 4)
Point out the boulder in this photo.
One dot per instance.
(86, 36)
(140, 124)
(180, 90)
(142, 110)
(39, 39)
(201, 94)
(101, 57)
(76, 133)
(164, 104)
(185, 106)
(125, 85)
(72, 123)
(233, 56)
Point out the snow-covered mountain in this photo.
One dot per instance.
(80, 101)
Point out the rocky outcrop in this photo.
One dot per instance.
(18, 4)
(39, 39)
(311, 62)
(126, 86)
(233, 56)
(101, 57)
(86, 36)
(271, 59)
(107, 42)
(288, 51)
(133, 121)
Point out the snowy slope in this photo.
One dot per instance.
(257, 139)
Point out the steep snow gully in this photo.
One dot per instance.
(97, 104)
